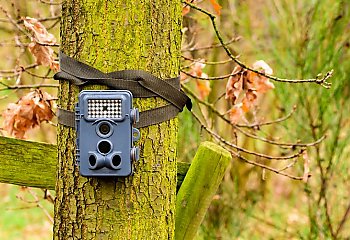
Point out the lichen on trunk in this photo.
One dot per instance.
(116, 35)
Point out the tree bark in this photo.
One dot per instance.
(116, 35)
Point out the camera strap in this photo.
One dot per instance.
(141, 83)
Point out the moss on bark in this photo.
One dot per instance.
(116, 35)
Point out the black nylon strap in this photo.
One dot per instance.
(166, 112)
(142, 84)
(66, 117)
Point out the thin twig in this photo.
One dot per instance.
(320, 79)
(36, 75)
(343, 221)
(271, 224)
(288, 166)
(36, 201)
(328, 218)
(264, 166)
(218, 99)
(24, 31)
(14, 23)
(38, 204)
(207, 62)
(19, 69)
(259, 124)
(221, 139)
(50, 2)
(208, 78)
(48, 196)
(219, 45)
(296, 144)
(8, 87)
(239, 156)
(39, 19)
(237, 127)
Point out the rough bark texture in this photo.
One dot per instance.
(116, 35)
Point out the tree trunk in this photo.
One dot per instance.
(116, 35)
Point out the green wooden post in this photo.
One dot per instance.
(198, 188)
(27, 163)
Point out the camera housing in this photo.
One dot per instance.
(105, 122)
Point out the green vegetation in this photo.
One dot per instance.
(298, 39)
(20, 217)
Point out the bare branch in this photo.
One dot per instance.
(50, 2)
(237, 127)
(207, 62)
(219, 45)
(221, 139)
(39, 205)
(320, 78)
(14, 23)
(343, 221)
(239, 156)
(259, 124)
(207, 78)
(7, 87)
(19, 69)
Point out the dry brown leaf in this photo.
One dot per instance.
(183, 76)
(203, 87)
(39, 31)
(262, 66)
(44, 55)
(185, 10)
(197, 69)
(234, 84)
(244, 86)
(249, 100)
(27, 113)
(236, 113)
(261, 83)
(217, 7)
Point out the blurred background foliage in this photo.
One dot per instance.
(298, 39)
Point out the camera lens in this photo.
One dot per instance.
(104, 147)
(104, 128)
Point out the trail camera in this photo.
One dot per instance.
(105, 133)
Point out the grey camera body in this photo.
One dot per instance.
(105, 133)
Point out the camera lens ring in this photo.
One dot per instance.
(104, 129)
(104, 147)
(114, 161)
